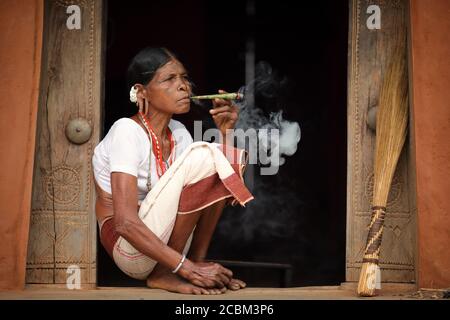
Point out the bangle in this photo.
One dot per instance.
(180, 264)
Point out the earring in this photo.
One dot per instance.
(133, 94)
(145, 107)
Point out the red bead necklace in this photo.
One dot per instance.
(161, 165)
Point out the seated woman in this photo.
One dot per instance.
(159, 195)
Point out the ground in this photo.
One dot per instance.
(344, 292)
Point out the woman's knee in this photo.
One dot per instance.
(199, 163)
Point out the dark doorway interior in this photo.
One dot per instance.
(298, 217)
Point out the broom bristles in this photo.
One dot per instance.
(390, 136)
(391, 127)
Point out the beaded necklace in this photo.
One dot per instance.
(161, 164)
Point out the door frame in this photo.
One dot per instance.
(95, 12)
(63, 228)
(367, 61)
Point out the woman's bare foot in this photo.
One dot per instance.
(236, 284)
(166, 280)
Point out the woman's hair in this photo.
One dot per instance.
(144, 65)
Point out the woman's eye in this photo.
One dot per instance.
(173, 77)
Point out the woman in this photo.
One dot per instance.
(159, 195)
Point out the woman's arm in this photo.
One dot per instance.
(128, 225)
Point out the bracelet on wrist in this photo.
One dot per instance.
(180, 264)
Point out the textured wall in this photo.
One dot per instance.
(431, 104)
(21, 23)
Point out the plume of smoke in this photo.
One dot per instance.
(268, 86)
(275, 210)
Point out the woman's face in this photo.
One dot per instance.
(170, 89)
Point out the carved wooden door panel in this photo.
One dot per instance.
(371, 30)
(63, 225)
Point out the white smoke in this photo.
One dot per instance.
(289, 136)
(274, 212)
(275, 146)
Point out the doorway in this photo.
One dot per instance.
(298, 216)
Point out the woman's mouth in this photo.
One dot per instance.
(185, 100)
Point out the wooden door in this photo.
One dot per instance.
(370, 43)
(63, 225)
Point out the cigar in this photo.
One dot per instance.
(226, 96)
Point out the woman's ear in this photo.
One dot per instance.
(140, 88)
(140, 95)
(142, 92)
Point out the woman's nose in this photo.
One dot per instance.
(183, 85)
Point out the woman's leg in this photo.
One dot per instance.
(163, 278)
(203, 235)
(205, 222)
(204, 231)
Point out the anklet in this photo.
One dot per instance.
(180, 264)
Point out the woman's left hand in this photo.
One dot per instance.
(224, 113)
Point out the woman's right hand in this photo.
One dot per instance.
(205, 274)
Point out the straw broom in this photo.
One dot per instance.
(390, 136)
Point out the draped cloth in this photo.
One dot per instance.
(204, 174)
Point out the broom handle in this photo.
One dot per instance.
(373, 244)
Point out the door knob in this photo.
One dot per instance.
(78, 131)
(372, 118)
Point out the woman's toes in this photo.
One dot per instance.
(220, 291)
(241, 283)
(236, 284)
(204, 291)
(216, 291)
(196, 291)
